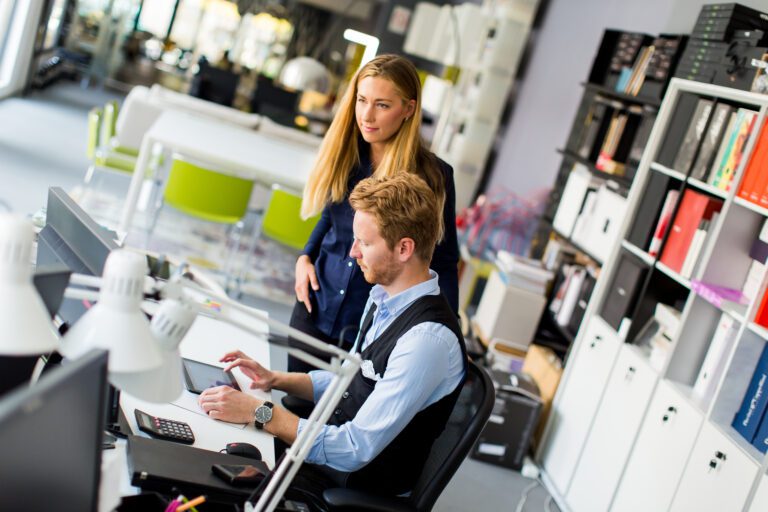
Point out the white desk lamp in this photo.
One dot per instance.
(117, 324)
(27, 327)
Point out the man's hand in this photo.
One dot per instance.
(261, 378)
(305, 277)
(227, 404)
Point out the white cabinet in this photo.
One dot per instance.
(660, 453)
(610, 440)
(760, 500)
(572, 414)
(718, 476)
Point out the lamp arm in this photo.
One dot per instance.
(297, 452)
(81, 294)
(294, 333)
(85, 280)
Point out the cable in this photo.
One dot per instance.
(524, 495)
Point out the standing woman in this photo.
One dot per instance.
(374, 132)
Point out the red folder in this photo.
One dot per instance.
(755, 174)
(694, 208)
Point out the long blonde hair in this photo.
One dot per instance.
(406, 151)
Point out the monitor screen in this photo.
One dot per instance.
(73, 239)
(50, 438)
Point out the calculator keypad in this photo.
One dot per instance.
(164, 428)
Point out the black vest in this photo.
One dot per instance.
(396, 469)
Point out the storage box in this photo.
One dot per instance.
(508, 313)
(545, 368)
(507, 435)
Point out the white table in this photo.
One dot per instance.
(207, 340)
(227, 148)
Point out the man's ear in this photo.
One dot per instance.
(405, 249)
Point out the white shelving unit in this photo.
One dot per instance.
(627, 435)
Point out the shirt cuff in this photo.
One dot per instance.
(316, 454)
(320, 380)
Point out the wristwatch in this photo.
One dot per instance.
(262, 415)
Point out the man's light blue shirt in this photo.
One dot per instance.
(424, 366)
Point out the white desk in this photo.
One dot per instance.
(207, 340)
(244, 153)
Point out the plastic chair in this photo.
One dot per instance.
(211, 196)
(282, 219)
(467, 420)
(99, 150)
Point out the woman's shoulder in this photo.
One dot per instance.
(434, 160)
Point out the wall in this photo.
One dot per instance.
(561, 58)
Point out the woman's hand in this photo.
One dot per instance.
(261, 378)
(305, 276)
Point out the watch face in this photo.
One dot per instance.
(263, 414)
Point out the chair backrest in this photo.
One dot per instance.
(94, 129)
(109, 123)
(207, 194)
(274, 101)
(136, 117)
(467, 420)
(282, 220)
(214, 84)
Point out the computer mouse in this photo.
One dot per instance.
(243, 450)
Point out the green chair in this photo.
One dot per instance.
(208, 195)
(282, 219)
(101, 131)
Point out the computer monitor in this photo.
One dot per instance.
(50, 438)
(73, 239)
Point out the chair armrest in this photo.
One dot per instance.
(351, 499)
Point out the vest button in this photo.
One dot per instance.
(345, 395)
(337, 412)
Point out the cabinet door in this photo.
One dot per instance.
(611, 437)
(659, 454)
(572, 414)
(760, 501)
(718, 476)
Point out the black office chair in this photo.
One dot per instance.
(464, 426)
(276, 102)
(214, 84)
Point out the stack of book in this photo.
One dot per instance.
(521, 272)
(716, 359)
(711, 36)
(690, 233)
(750, 420)
(719, 133)
(572, 296)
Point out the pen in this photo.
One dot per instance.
(190, 504)
(184, 498)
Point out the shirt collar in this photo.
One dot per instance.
(397, 303)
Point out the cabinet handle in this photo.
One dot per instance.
(630, 373)
(720, 455)
(712, 464)
(594, 342)
(670, 411)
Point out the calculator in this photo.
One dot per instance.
(162, 428)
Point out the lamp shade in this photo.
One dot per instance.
(27, 327)
(305, 74)
(115, 323)
(169, 326)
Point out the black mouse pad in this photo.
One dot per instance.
(161, 466)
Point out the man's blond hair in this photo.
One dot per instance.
(404, 206)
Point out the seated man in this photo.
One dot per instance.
(380, 435)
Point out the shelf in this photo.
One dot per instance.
(709, 189)
(621, 181)
(669, 172)
(674, 275)
(578, 247)
(638, 100)
(644, 256)
(749, 205)
(758, 329)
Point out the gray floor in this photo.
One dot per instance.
(42, 143)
